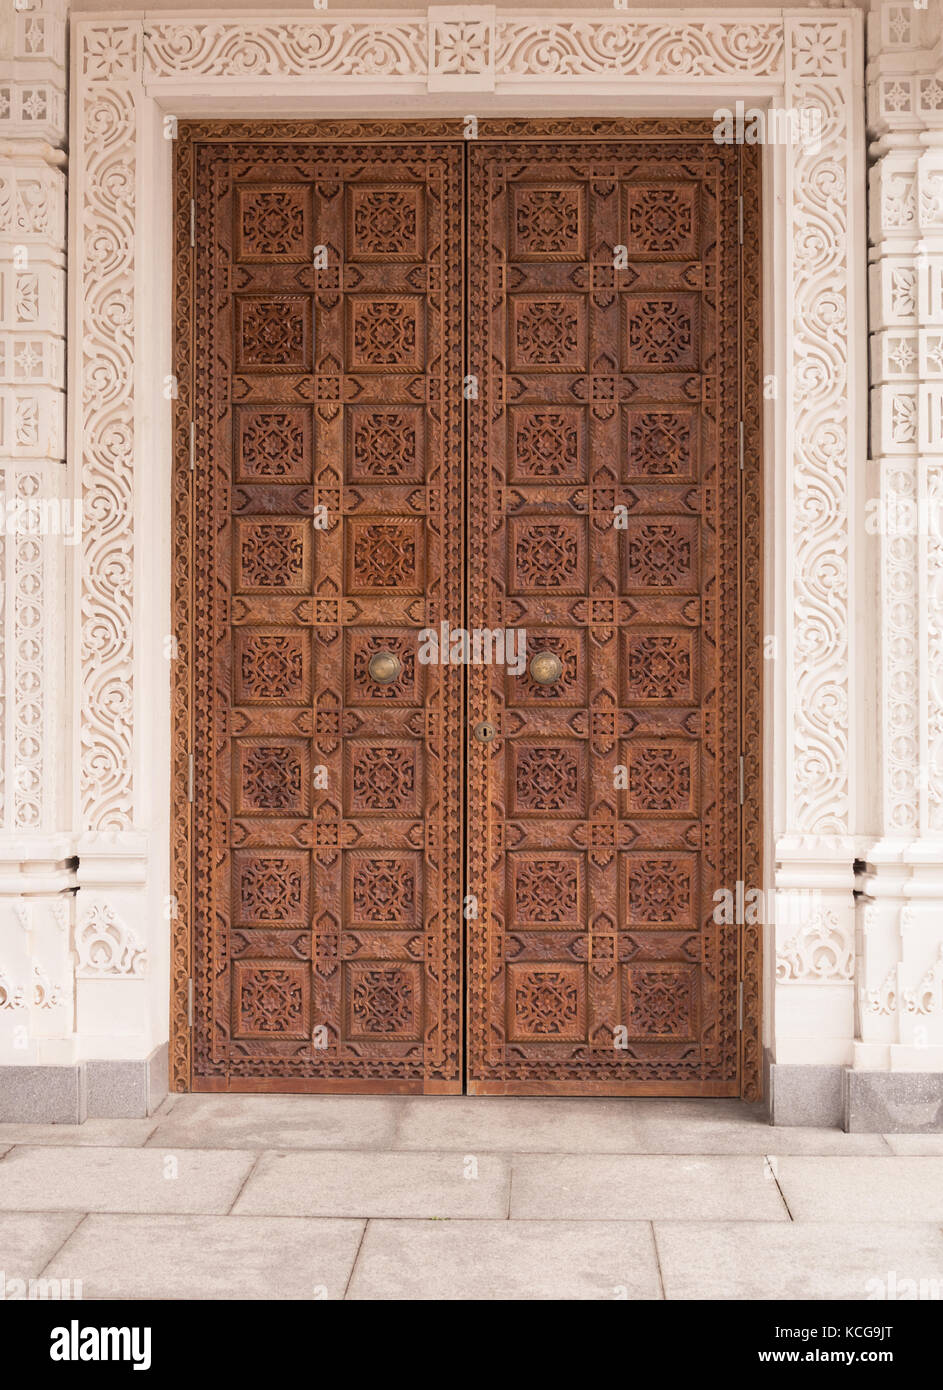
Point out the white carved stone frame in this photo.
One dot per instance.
(132, 74)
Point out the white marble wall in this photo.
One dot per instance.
(900, 938)
(37, 535)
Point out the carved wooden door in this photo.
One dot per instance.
(327, 509)
(604, 517)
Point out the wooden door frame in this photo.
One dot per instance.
(751, 604)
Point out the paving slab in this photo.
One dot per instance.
(897, 1189)
(796, 1260)
(377, 1184)
(644, 1188)
(109, 1134)
(916, 1145)
(210, 1257)
(490, 1260)
(679, 1126)
(132, 1180)
(278, 1122)
(29, 1239)
(523, 1123)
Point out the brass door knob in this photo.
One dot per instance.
(384, 667)
(545, 668)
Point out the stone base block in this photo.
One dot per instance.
(893, 1102)
(105, 1090)
(807, 1096)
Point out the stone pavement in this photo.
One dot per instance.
(370, 1197)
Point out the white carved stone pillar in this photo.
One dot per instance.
(900, 974)
(120, 659)
(817, 721)
(38, 531)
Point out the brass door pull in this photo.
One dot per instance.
(545, 668)
(384, 667)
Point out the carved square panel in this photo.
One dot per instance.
(273, 222)
(383, 778)
(661, 444)
(547, 778)
(547, 555)
(546, 888)
(273, 334)
(661, 1002)
(271, 665)
(569, 644)
(382, 1001)
(271, 776)
(383, 888)
(546, 1003)
(661, 220)
(385, 333)
(273, 445)
(548, 222)
(661, 777)
(361, 645)
(547, 444)
(384, 222)
(660, 555)
(661, 330)
(385, 444)
(659, 890)
(547, 331)
(271, 999)
(272, 556)
(658, 666)
(385, 555)
(271, 888)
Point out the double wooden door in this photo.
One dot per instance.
(443, 401)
